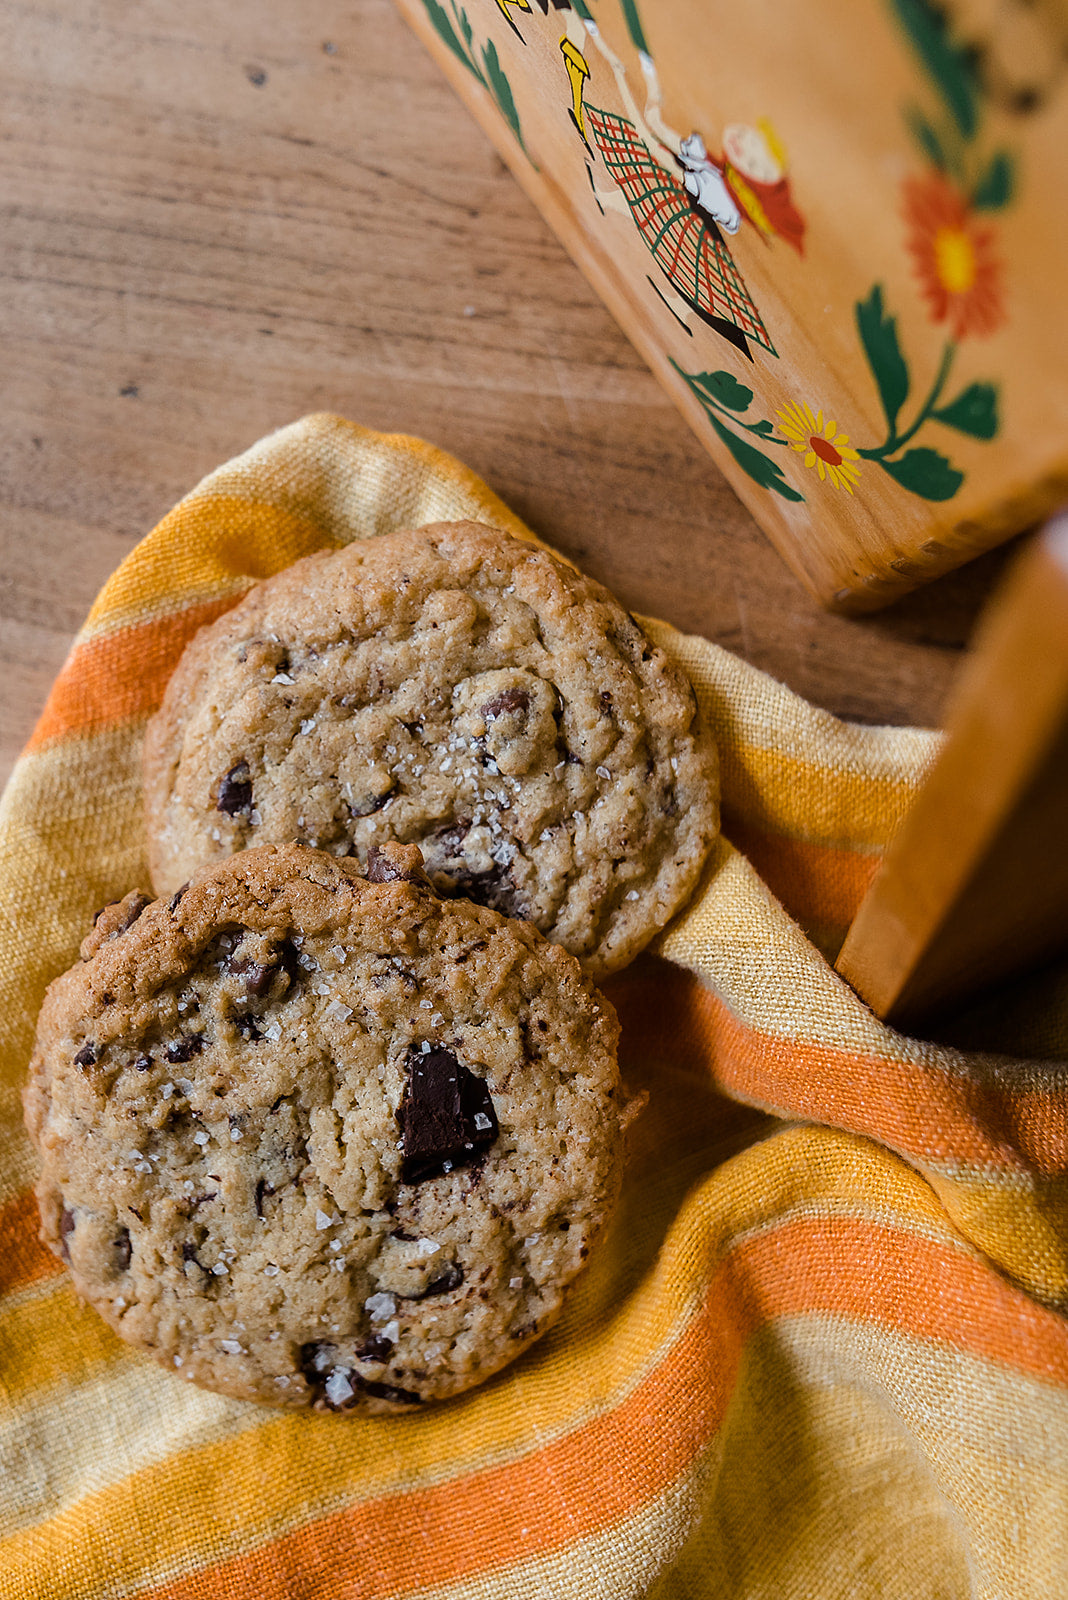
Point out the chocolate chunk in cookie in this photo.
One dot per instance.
(446, 1116)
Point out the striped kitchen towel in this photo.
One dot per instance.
(821, 1351)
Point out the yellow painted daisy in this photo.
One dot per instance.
(822, 446)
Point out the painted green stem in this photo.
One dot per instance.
(897, 441)
(725, 411)
(750, 427)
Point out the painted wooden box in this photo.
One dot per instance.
(837, 233)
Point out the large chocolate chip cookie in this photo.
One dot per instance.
(313, 1139)
(457, 689)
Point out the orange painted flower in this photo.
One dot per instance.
(955, 257)
(822, 446)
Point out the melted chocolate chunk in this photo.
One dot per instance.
(450, 841)
(368, 804)
(123, 1249)
(172, 904)
(332, 1382)
(184, 1048)
(448, 1280)
(288, 959)
(142, 1063)
(394, 863)
(235, 791)
(316, 1359)
(86, 1056)
(506, 703)
(259, 976)
(387, 1391)
(452, 876)
(447, 1117)
(377, 1348)
(246, 1027)
(138, 904)
(493, 889)
(444, 1283)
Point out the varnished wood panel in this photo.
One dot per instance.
(213, 220)
(835, 234)
(974, 887)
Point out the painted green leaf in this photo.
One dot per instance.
(723, 388)
(926, 473)
(762, 470)
(766, 430)
(974, 411)
(500, 88)
(997, 184)
(634, 25)
(927, 138)
(946, 63)
(465, 26)
(878, 334)
(443, 27)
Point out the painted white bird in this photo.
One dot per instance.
(704, 181)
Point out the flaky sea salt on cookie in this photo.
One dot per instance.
(314, 1139)
(457, 689)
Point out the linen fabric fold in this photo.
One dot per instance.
(821, 1351)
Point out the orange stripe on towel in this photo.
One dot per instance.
(23, 1258)
(819, 885)
(454, 1532)
(913, 1107)
(457, 1530)
(122, 675)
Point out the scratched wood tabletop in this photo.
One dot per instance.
(218, 218)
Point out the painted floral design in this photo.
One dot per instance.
(687, 200)
(726, 404)
(955, 257)
(823, 447)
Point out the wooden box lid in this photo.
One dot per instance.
(836, 233)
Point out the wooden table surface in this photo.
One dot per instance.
(218, 218)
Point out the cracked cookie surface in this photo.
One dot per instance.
(315, 1139)
(457, 689)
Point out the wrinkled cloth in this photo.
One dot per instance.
(821, 1351)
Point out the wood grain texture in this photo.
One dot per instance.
(215, 220)
(974, 887)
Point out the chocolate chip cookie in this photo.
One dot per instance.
(457, 689)
(315, 1139)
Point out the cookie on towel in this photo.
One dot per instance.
(312, 1139)
(458, 689)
